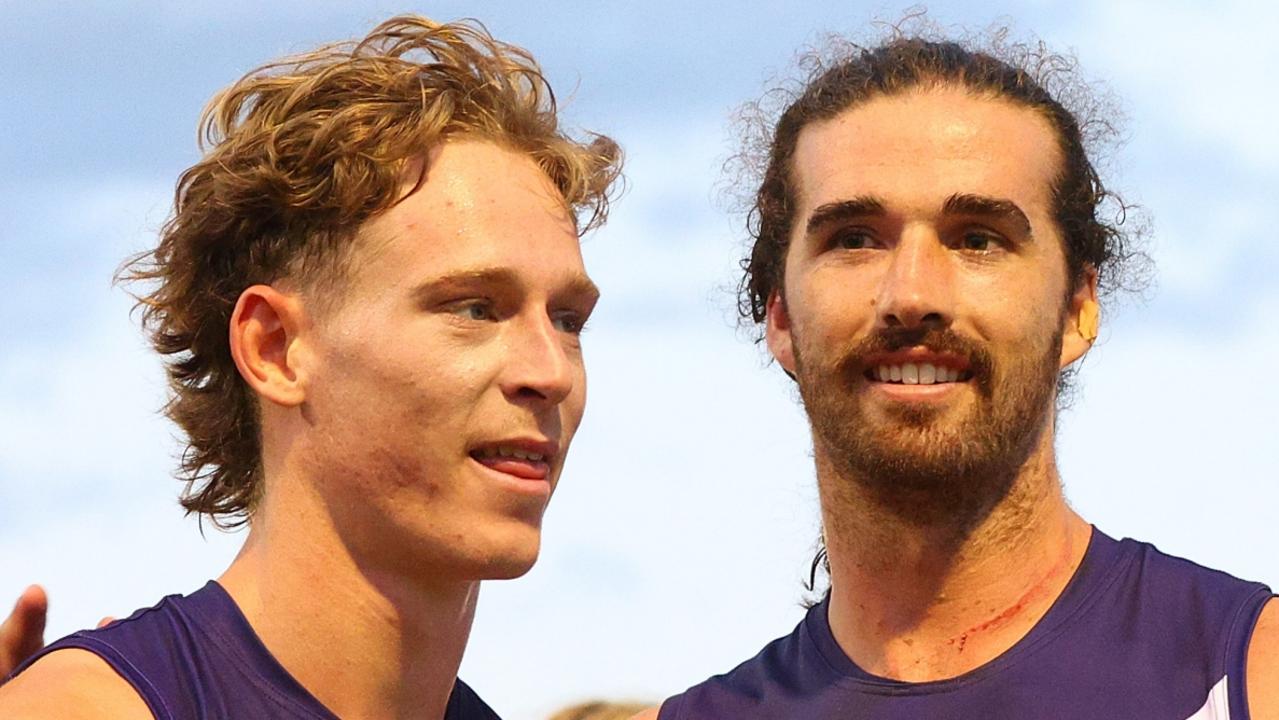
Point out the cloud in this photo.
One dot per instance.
(1173, 440)
(78, 390)
(1206, 66)
(686, 517)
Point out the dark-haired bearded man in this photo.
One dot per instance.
(927, 261)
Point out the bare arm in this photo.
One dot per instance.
(649, 714)
(71, 685)
(22, 633)
(1263, 665)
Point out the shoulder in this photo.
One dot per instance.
(1263, 664)
(1173, 589)
(1235, 621)
(788, 672)
(71, 684)
(1161, 568)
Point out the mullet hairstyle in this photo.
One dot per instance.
(297, 155)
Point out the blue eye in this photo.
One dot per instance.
(478, 310)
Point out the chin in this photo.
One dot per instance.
(508, 567)
(509, 571)
(510, 555)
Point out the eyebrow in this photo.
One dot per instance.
(577, 285)
(843, 210)
(865, 206)
(988, 207)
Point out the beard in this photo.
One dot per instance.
(944, 464)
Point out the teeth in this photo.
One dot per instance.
(910, 374)
(510, 452)
(927, 374)
(916, 374)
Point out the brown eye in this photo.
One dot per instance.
(570, 322)
(851, 239)
(977, 242)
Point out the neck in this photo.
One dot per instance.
(928, 600)
(366, 643)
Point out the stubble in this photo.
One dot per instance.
(928, 465)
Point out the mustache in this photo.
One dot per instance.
(939, 340)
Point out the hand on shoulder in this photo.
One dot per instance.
(22, 633)
(71, 684)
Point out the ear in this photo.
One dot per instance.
(1082, 319)
(777, 332)
(265, 327)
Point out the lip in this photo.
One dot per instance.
(522, 474)
(540, 489)
(918, 356)
(900, 392)
(903, 392)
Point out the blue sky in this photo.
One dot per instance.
(686, 516)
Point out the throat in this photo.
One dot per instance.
(934, 611)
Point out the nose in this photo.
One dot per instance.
(917, 289)
(539, 368)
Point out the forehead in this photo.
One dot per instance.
(915, 149)
(478, 206)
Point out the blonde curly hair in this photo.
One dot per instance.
(298, 154)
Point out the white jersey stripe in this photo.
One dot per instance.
(1217, 706)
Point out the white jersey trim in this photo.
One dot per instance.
(1217, 706)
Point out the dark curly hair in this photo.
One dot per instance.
(1025, 74)
(299, 154)
(1097, 227)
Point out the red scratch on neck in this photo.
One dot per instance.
(1036, 591)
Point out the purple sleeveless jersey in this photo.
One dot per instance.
(196, 656)
(1136, 635)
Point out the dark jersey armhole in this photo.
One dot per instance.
(120, 664)
(466, 704)
(1237, 651)
(670, 708)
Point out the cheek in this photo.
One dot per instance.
(385, 405)
(375, 388)
(390, 443)
(574, 406)
(1007, 310)
(831, 315)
